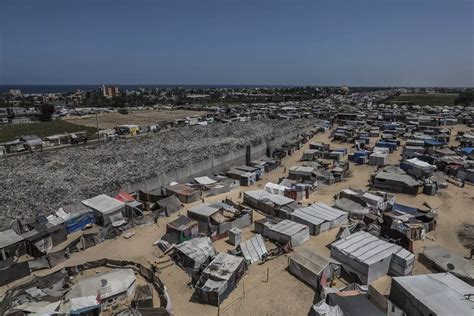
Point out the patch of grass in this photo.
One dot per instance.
(42, 129)
(426, 98)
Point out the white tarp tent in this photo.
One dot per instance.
(274, 188)
(313, 268)
(287, 231)
(369, 257)
(319, 217)
(106, 207)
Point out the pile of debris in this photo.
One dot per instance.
(42, 182)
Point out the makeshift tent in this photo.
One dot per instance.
(313, 268)
(443, 260)
(431, 294)
(254, 249)
(220, 278)
(319, 217)
(106, 286)
(107, 209)
(181, 229)
(274, 188)
(368, 257)
(77, 217)
(195, 252)
(169, 205)
(286, 231)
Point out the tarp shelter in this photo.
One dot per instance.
(107, 209)
(219, 217)
(274, 188)
(431, 294)
(195, 252)
(205, 181)
(124, 197)
(254, 249)
(108, 287)
(443, 260)
(181, 229)
(77, 217)
(310, 267)
(319, 217)
(11, 244)
(397, 183)
(44, 233)
(266, 202)
(351, 207)
(169, 205)
(183, 192)
(219, 278)
(368, 257)
(286, 231)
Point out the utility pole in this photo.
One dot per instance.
(97, 125)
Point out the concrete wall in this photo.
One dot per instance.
(212, 165)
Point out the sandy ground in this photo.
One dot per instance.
(110, 120)
(283, 294)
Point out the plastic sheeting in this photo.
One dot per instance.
(79, 221)
(199, 250)
(323, 309)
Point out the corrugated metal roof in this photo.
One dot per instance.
(254, 248)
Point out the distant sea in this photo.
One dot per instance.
(32, 89)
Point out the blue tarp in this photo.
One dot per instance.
(433, 142)
(389, 145)
(405, 209)
(468, 150)
(79, 221)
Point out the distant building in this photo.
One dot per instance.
(110, 91)
(15, 92)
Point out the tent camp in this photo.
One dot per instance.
(367, 257)
(107, 210)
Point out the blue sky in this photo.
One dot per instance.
(294, 42)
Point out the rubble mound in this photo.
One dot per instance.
(42, 182)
